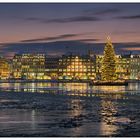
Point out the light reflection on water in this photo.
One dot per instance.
(82, 89)
(53, 116)
(108, 110)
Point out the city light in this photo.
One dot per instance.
(68, 67)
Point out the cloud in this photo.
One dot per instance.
(8, 55)
(59, 37)
(108, 11)
(3, 45)
(102, 12)
(88, 40)
(64, 36)
(52, 53)
(134, 46)
(131, 49)
(125, 32)
(86, 16)
(129, 17)
(61, 47)
(74, 19)
(51, 38)
(64, 20)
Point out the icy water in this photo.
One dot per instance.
(69, 109)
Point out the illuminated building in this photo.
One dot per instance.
(77, 67)
(123, 67)
(16, 66)
(135, 67)
(98, 66)
(5, 69)
(29, 66)
(68, 67)
(105, 67)
(128, 66)
(51, 67)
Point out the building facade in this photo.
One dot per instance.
(70, 67)
(76, 67)
(51, 67)
(135, 67)
(5, 68)
(29, 66)
(123, 67)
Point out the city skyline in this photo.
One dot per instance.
(30, 26)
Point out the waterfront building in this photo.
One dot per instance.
(5, 68)
(98, 66)
(80, 67)
(16, 66)
(40, 66)
(51, 67)
(70, 66)
(128, 67)
(29, 66)
(135, 67)
(123, 67)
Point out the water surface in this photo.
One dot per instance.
(69, 109)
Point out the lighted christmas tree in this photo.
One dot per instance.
(109, 62)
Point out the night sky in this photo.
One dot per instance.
(55, 27)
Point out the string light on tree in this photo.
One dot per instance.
(108, 72)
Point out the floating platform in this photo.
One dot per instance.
(102, 83)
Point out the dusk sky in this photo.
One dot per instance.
(85, 23)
